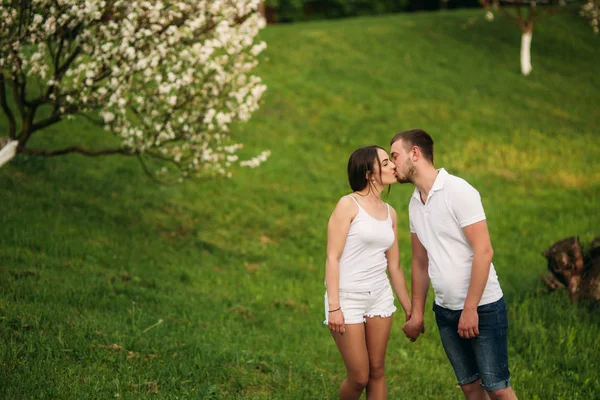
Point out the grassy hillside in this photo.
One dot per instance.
(93, 255)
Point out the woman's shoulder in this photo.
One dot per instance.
(347, 205)
(347, 201)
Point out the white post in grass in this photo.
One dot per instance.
(8, 152)
(526, 51)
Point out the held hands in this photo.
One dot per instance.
(407, 314)
(468, 324)
(414, 327)
(336, 322)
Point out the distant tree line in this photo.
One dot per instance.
(301, 10)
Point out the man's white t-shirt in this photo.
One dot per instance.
(451, 205)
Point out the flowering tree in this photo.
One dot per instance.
(536, 11)
(167, 78)
(590, 10)
(526, 14)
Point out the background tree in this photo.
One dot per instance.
(524, 14)
(167, 78)
(590, 10)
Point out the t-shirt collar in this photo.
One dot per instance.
(438, 184)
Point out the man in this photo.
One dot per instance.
(451, 247)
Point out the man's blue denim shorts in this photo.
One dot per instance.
(486, 355)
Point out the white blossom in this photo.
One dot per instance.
(590, 10)
(108, 117)
(256, 161)
(166, 78)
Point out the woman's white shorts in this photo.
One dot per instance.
(356, 306)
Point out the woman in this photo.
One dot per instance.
(361, 244)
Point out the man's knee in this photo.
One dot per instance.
(473, 387)
(501, 394)
(474, 391)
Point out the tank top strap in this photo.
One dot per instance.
(388, 207)
(356, 201)
(359, 208)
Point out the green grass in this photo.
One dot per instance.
(93, 255)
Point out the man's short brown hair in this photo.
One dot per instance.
(419, 138)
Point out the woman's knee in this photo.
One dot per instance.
(359, 379)
(377, 370)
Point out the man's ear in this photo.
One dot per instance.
(415, 153)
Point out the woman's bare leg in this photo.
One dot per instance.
(353, 348)
(377, 335)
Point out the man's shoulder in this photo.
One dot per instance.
(455, 183)
(455, 180)
(413, 202)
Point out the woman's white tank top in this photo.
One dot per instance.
(363, 262)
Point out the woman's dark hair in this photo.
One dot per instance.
(361, 162)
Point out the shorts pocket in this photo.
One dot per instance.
(344, 295)
(492, 308)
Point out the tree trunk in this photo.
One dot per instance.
(267, 12)
(8, 151)
(526, 50)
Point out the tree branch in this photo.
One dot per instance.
(63, 68)
(91, 119)
(57, 55)
(528, 2)
(549, 12)
(23, 89)
(17, 97)
(54, 118)
(520, 13)
(149, 173)
(530, 16)
(22, 10)
(511, 18)
(163, 158)
(76, 149)
(12, 124)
